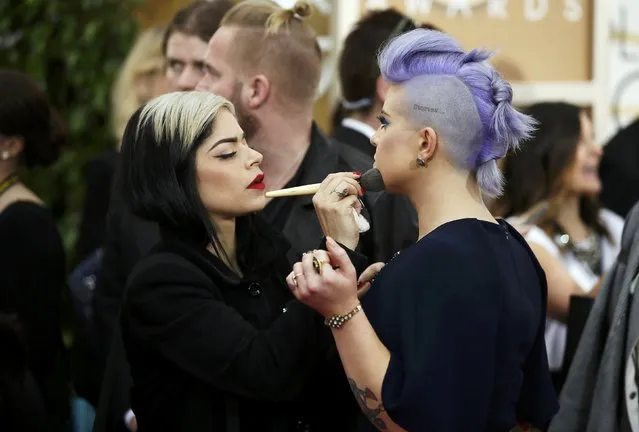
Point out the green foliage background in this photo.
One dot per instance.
(74, 49)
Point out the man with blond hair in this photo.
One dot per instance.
(267, 61)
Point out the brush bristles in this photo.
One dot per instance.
(372, 180)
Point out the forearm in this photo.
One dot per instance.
(365, 360)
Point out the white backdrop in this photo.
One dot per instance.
(624, 64)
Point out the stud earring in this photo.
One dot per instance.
(4, 155)
(421, 162)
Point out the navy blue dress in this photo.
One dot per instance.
(462, 312)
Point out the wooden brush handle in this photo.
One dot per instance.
(309, 189)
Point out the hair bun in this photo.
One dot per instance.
(302, 9)
(283, 18)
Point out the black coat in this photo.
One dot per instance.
(129, 238)
(354, 139)
(211, 351)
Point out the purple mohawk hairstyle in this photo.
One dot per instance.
(499, 126)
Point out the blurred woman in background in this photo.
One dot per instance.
(553, 184)
(141, 78)
(33, 264)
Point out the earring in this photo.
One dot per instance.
(421, 162)
(5, 155)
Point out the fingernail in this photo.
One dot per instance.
(357, 173)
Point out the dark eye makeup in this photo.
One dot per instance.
(383, 121)
(226, 155)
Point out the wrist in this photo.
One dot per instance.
(342, 308)
(344, 314)
(350, 243)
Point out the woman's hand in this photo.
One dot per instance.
(334, 202)
(367, 277)
(330, 289)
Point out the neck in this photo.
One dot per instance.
(283, 142)
(455, 195)
(226, 234)
(6, 169)
(570, 220)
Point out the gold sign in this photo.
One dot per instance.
(535, 40)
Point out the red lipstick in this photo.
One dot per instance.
(257, 183)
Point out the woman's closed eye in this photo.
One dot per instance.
(231, 153)
(228, 155)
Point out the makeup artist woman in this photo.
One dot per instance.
(450, 336)
(215, 339)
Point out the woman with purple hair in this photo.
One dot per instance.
(450, 336)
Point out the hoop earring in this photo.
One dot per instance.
(421, 162)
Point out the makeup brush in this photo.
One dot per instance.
(371, 181)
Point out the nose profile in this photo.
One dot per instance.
(188, 80)
(201, 85)
(597, 150)
(256, 158)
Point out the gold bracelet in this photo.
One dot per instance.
(336, 321)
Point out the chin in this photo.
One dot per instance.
(591, 190)
(258, 204)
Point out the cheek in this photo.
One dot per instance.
(173, 79)
(384, 145)
(580, 158)
(222, 87)
(171, 75)
(215, 185)
(160, 85)
(390, 150)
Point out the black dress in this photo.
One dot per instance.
(98, 176)
(210, 351)
(462, 312)
(32, 277)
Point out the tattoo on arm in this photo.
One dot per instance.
(363, 396)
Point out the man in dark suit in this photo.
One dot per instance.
(363, 88)
(273, 97)
(364, 91)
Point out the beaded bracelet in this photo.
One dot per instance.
(336, 321)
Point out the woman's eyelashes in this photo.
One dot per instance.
(227, 155)
(383, 122)
(230, 154)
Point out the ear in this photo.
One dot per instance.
(381, 88)
(428, 143)
(258, 91)
(12, 145)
